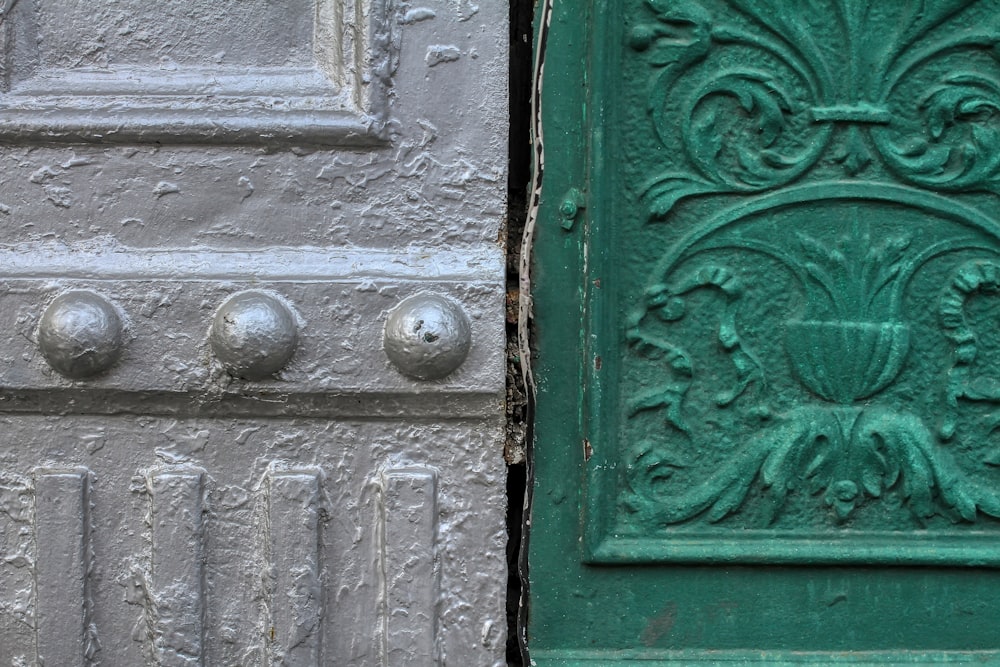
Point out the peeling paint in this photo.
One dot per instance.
(59, 196)
(165, 188)
(466, 9)
(247, 186)
(442, 53)
(417, 14)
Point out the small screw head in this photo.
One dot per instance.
(569, 209)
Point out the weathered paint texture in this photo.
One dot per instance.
(157, 507)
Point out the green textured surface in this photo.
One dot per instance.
(769, 360)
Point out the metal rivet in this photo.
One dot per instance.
(80, 334)
(254, 335)
(572, 202)
(427, 336)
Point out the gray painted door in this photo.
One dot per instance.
(252, 378)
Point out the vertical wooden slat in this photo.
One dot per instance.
(296, 605)
(62, 526)
(176, 577)
(410, 573)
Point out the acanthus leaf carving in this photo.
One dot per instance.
(801, 352)
(747, 130)
(847, 338)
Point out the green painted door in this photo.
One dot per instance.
(767, 315)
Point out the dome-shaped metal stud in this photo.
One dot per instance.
(81, 334)
(254, 335)
(427, 336)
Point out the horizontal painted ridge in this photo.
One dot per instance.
(143, 81)
(968, 549)
(347, 265)
(450, 403)
(247, 124)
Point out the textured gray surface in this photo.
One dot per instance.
(337, 511)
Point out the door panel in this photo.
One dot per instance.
(782, 282)
(217, 448)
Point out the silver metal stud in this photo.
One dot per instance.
(254, 334)
(80, 334)
(427, 336)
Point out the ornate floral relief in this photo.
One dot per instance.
(765, 95)
(846, 338)
(845, 370)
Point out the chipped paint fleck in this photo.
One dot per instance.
(442, 53)
(417, 14)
